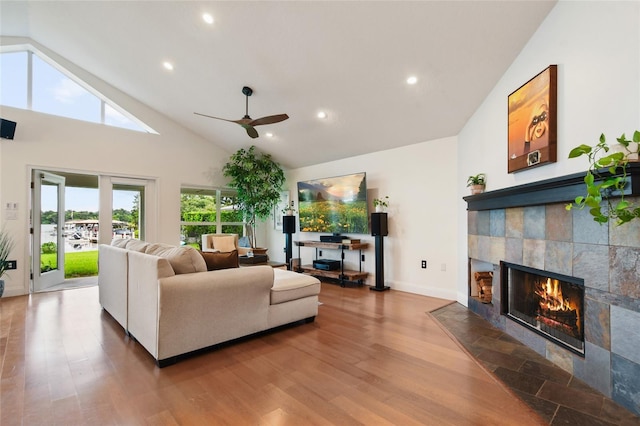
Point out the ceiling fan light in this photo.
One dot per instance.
(269, 134)
(208, 18)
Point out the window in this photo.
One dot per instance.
(204, 211)
(13, 79)
(29, 80)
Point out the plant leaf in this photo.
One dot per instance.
(579, 150)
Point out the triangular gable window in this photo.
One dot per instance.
(29, 80)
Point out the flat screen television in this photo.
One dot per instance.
(337, 204)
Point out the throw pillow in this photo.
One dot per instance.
(119, 242)
(225, 243)
(220, 260)
(183, 260)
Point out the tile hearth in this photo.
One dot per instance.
(557, 396)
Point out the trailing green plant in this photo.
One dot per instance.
(383, 202)
(258, 181)
(603, 187)
(6, 245)
(479, 179)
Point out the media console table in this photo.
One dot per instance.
(344, 275)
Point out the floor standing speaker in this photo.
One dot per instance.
(288, 228)
(379, 224)
(379, 229)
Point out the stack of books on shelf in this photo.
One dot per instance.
(350, 241)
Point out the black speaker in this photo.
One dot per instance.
(288, 224)
(7, 128)
(379, 224)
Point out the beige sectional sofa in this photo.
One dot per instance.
(165, 298)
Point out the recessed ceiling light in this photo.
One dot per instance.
(322, 115)
(167, 65)
(269, 134)
(208, 18)
(412, 80)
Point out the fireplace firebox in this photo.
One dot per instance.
(550, 304)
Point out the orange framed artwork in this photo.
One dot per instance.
(533, 121)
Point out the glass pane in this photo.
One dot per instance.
(126, 212)
(114, 118)
(48, 227)
(13, 79)
(233, 229)
(55, 93)
(228, 212)
(197, 207)
(192, 234)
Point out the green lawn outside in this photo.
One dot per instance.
(76, 264)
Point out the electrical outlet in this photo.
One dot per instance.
(11, 264)
(424, 264)
(443, 267)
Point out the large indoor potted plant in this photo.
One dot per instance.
(606, 178)
(258, 181)
(6, 245)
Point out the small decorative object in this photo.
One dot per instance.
(477, 183)
(6, 245)
(606, 178)
(289, 211)
(532, 122)
(381, 204)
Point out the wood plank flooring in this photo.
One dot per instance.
(369, 358)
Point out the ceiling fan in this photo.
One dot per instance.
(249, 123)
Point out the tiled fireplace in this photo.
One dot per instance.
(573, 261)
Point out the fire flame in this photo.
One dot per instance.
(551, 297)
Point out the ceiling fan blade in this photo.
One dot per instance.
(241, 121)
(269, 119)
(253, 133)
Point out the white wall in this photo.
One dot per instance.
(596, 46)
(420, 182)
(173, 157)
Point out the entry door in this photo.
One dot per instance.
(48, 230)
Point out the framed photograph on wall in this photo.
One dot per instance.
(277, 210)
(532, 122)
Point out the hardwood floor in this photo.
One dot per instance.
(370, 358)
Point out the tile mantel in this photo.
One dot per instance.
(556, 190)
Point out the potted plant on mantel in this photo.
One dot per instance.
(601, 186)
(6, 245)
(257, 180)
(477, 183)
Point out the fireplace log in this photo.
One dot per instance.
(484, 281)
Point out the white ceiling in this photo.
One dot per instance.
(350, 59)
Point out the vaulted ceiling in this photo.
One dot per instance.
(350, 59)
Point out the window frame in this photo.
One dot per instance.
(217, 193)
(103, 100)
